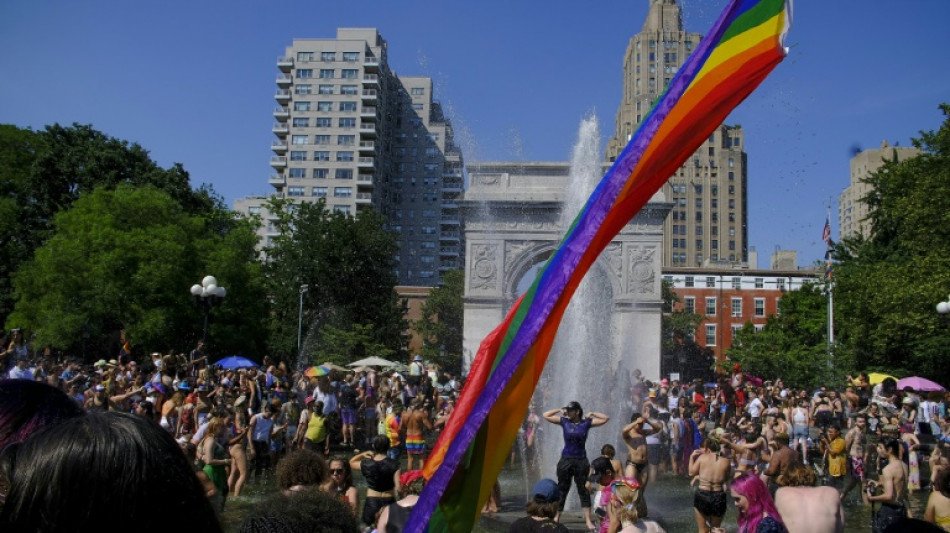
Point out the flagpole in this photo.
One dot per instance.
(831, 300)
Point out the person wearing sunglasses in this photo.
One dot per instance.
(341, 483)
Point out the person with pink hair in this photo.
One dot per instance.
(757, 512)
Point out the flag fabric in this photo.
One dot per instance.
(743, 46)
(125, 351)
(826, 236)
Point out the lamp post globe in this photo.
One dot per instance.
(207, 294)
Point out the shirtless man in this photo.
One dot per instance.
(893, 481)
(415, 420)
(634, 435)
(709, 503)
(856, 443)
(806, 508)
(747, 451)
(781, 459)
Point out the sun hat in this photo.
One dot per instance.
(101, 362)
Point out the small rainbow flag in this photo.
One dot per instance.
(743, 46)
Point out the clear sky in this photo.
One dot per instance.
(193, 82)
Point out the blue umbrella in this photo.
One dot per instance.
(236, 361)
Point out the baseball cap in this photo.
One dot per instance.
(546, 491)
(417, 358)
(101, 362)
(573, 406)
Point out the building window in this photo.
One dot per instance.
(327, 56)
(736, 328)
(759, 283)
(344, 174)
(321, 173)
(710, 334)
(295, 191)
(303, 89)
(342, 192)
(349, 73)
(346, 140)
(737, 283)
(710, 307)
(298, 139)
(301, 106)
(326, 73)
(304, 73)
(347, 106)
(347, 122)
(689, 281)
(418, 91)
(699, 244)
(342, 209)
(689, 304)
(710, 282)
(324, 106)
(319, 192)
(780, 284)
(297, 173)
(714, 244)
(321, 155)
(344, 156)
(324, 122)
(298, 156)
(348, 89)
(736, 307)
(305, 56)
(325, 89)
(351, 56)
(301, 122)
(321, 139)
(760, 307)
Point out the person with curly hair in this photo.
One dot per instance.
(299, 511)
(301, 470)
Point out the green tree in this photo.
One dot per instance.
(44, 172)
(345, 345)
(441, 323)
(886, 286)
(793, 345)
(681, 353)
(347, 265)
(124, 259)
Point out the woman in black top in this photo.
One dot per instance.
(382, 478)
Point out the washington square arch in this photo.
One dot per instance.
(512, 215)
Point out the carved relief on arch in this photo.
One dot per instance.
(641, 272)
(483, 275)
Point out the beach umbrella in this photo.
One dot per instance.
(373, 361)
(236, 361)
(918, 384)
(316, 371)
(876, 377)
(333, 366)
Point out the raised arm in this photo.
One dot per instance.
(553, 416)
(597, 419)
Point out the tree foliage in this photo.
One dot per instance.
(441, 323)
(793, 345)
(124, 259)
(681, 353)
(42, 173)
(888, 284)
(347, 265)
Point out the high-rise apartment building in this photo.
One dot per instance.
(708, 225)
(351, 132)
(852, 210)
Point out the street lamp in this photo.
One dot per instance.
(303, 290)
(944, 307)
(207, 294)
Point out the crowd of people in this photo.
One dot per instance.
(785, 457)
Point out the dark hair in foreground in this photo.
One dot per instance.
(301, 467)
(100, 473)
(301, 511)
(541, 509)
(29, 406)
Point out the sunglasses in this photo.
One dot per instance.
(335, 471)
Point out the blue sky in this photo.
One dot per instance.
(193, 82)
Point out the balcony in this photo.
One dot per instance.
(284, 80)
(453, 156)
(364, 180)
(282, 96)
(449, 205)
(449, 251)
(279, 147)
(285, 63)
(277, 180)
(371, 79)
(278, 161)
(449, 236)
(367, 162)
(367, 146)
(452, 173)
(280, 129)
(452, 189)
(449, 265)
(368, 130)
(368, 111)
(282, 113)
(364, 197)
(370, 95)
(371, 63)
(450, 221)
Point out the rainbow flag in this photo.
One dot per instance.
(743, 46)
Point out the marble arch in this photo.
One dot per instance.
(512, 212)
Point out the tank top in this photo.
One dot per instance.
(262, 428)
(316, 428)
(799, 416)
(398, 516)
(379, 474)
(575, 437)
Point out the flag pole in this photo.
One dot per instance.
(826, 235)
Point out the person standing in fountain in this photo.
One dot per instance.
(573, 463)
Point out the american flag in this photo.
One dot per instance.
(826, 233)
